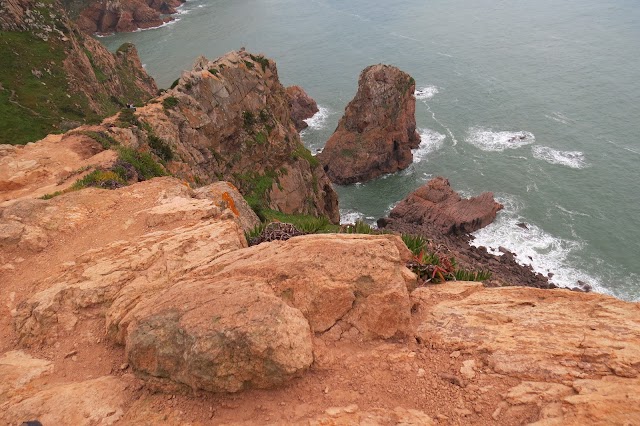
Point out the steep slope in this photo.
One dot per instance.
(54, 78)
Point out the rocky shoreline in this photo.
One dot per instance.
(106, 17)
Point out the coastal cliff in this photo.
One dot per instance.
(54, 78)
(133, 297)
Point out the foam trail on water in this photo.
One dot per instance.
(319, 119)
(573, 159)
(430, 141)
(426, 93)
(534, 246)
(403, 36)
(489, 140)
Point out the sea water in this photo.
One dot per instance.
(538, 102)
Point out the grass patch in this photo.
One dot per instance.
(304, 153)
(249, 64)
(102, 138)
(127, 118)
(160, 147)
(360, 227)
(260, 138)
(415, 243)
(101, 179)
(175, 83)
(170, 102)
(214, 71)
(143, 163)
(248, 120)
(264, 62)
(467, 275)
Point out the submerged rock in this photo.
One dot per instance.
(378, 130)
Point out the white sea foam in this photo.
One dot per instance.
(166, 24)
(430, 141)
(488, 140)
(350, 216)
(425, 93)
(534, 246)
(573, 159)
(319, 119)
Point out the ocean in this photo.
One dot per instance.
(563, 75)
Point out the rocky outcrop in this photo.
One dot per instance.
(378, 130)
(156, 279)
(302, 106)
(75, 81)
(576, 355)
(436, 205)
(229, 119)
(438, 213)
(106, 17)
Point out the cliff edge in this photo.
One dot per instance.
(54, 78)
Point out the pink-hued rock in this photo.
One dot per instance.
(378, 130)
(436, 204)
(302, 106)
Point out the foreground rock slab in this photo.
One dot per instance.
(378, 130)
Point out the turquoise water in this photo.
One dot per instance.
(565, 75)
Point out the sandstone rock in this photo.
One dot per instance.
(378, 130)
(253, 328)
(228, 197)
(541, 335)
(302, 106)
(17, 370)
(97, 401)
(240, 335)
(436, 204)
(308, 272)
(352, 415)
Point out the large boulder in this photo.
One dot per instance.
(378, 130)
(437, 205)
(302, 106)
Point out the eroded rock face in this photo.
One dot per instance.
(229, 119)
(105, 17)
(437, 205)
(378, 130)
(302, 106)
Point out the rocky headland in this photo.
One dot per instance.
(131, 296)
(106, 17)
(377, 131)
(54, 78)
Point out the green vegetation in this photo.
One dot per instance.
(249, 64)
(214, 71)
(101, 179)
(255, 187)
(465, 275)
(127, 118)
(347, 153)
(143, 163)
(260, 138)
(248, 119)
(264, 62)
(360, 227)
(415, 243)
(102, 138)
(175, 83)
(33, 104)
(304, 153)
(100, 75)
(170, 102)
(160, 147)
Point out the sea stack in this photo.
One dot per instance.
(378, 130)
